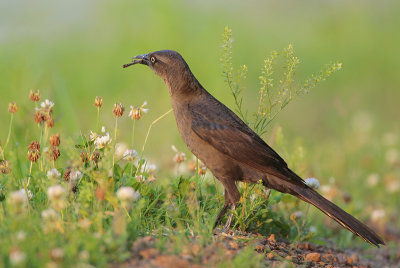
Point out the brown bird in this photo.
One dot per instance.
(229, 148)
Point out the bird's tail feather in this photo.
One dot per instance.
(343, 218)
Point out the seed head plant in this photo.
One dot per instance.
(34, 95)
(277, 90)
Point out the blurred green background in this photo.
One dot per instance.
(72, 51)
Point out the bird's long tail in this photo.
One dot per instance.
(343, 218)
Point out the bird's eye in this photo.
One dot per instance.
(153, 60)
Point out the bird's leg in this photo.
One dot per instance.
(223, 210)
(233, 194)
(230, 216)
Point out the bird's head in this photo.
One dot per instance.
(164, 62)
(170, 66)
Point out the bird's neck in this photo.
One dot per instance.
(183, 84)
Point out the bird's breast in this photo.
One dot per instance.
(183, 119)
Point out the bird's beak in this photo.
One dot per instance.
(142, 59)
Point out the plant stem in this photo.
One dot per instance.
(133, 132)
(147, 136)
(40, 142)
(27, 196)
(100, 217)
(4, 209)
(2, 152)
(305, 217)
(148, 131)
(133, 138)
(98, 119)
(9, 132)
(29, 176)
(115, 143)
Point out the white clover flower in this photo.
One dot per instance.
(17, 257)
(55, 192)
(49, 214)
(84, 255)
(377, 215)
(127, 194)
(19, 197)
(21, 235)
(23, 192)
(120, 149)
(136, 112)
(102, 141)
(312, 229)
(130, 155)
(53, 174)
(47, 104)
(312, 182)
(149, 168)
(392, 185)
(298, 214)
(373, 179)
(392, 156)
(75, 175)
(57, 254)
(103, 129)
(84, 224)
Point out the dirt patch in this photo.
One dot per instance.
(276, 253)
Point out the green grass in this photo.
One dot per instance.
(343, 130)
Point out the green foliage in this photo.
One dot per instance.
(273, 96)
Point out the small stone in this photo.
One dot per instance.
(289, 258)
(341, 258)
(314, 256)
(349, 261)
(329, 266)
(197, 266)
(170, 261)
(270, 256)
(148, 253)
(196, 249)
(308, 246)
(260, 248)
(354, 257)
(234, 245)
(328, 257)
(282, 254)
(271, 238)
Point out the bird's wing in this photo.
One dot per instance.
(226, 132)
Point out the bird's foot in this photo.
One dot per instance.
(228, 222)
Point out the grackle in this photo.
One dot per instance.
(230, 149)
